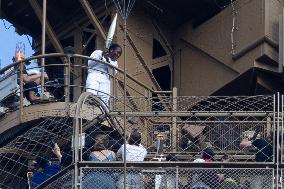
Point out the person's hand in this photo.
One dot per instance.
(245, 143)
(106, 54)
(57, 152)
(221, 177)
(45, 76)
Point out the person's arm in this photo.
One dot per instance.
(120, 150)
(28, 78)
(97, 54)
(113, 155)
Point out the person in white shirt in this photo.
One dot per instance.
(135, 151)
(98, 81)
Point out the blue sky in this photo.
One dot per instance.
(8, 40)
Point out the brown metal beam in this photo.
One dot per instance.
(94, 19)
(50, 32)
(165, 42)
(142, 61)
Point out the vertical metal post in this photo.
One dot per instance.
(174, 121)
(76, 142)
(43, 43)
(281, 136)
(281, 143)
(21, 92)
(81, 178)
(281, 42)
(177, 177)
(67, 70)
(124, 100)
(277, 139)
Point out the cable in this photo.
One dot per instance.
(222, 6)
(29, 41)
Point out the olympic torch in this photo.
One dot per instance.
(111, 32)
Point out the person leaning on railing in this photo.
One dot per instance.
(31, 81)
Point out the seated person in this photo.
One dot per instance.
(135, 151)
(206, 178)
(45, 169)
(31, 91)
(28, 75)
(101, 152)
(100, 179)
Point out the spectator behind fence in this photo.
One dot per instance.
(101, 152)
(262, 144)
(264, 153)
(45, 169)
(100, 179)
(207, 156)
(207, 179)
(135, 151)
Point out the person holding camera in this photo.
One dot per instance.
(45, 168)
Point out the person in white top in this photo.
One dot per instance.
(135, 151)
(98, 81)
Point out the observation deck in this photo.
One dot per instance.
(175, 131)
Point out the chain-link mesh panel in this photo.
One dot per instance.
(226, 178)
(182, 178)
(31, 148)
(64, 182)
(235, 128)
(102, 132)
(226, 103)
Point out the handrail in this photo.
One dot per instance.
(31, 58)
(74, 56)
(110, 65)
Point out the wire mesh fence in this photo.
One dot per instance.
(63, 182)
(33, 148)
(183, 178)
(182, 129)
(243, 134)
